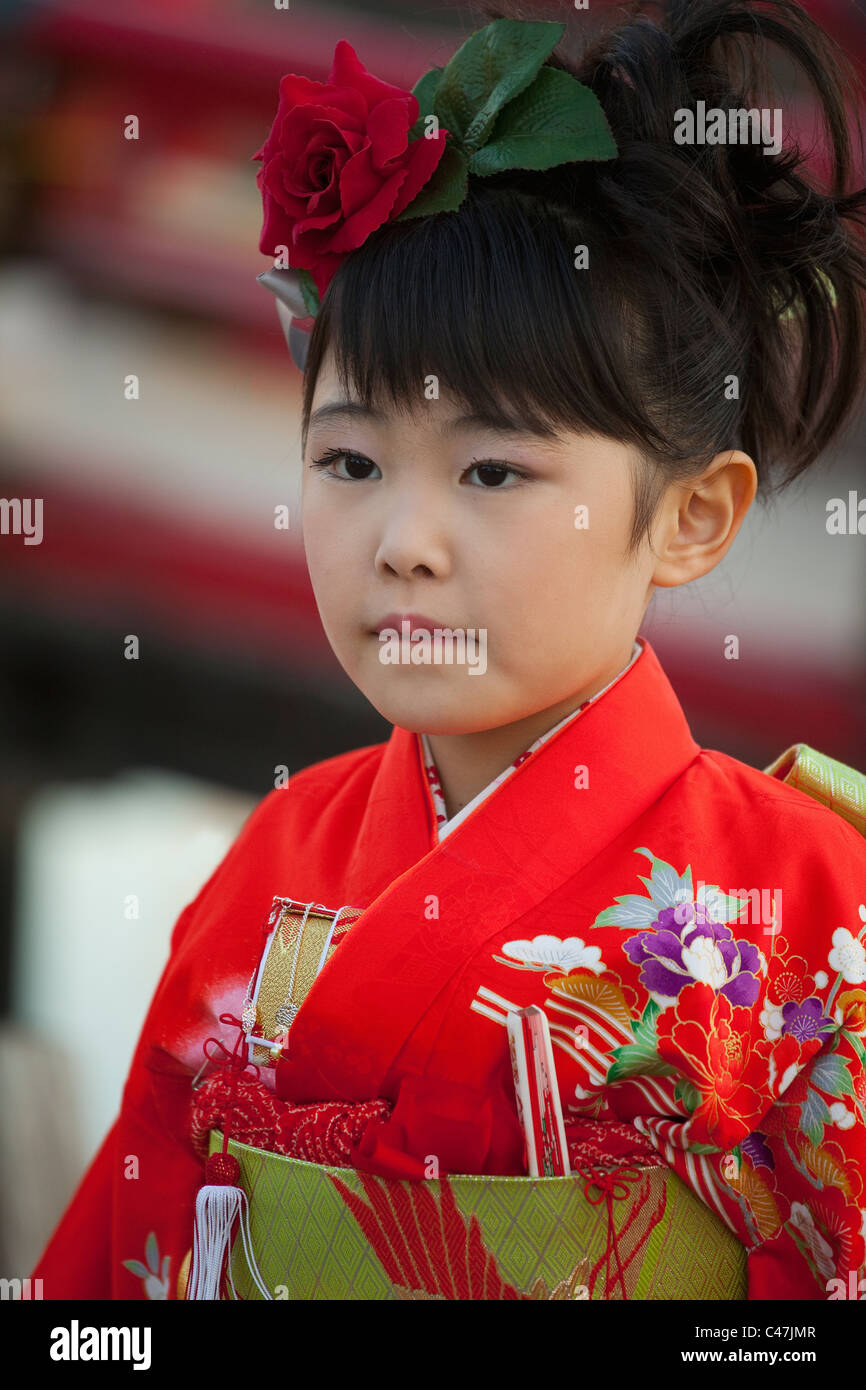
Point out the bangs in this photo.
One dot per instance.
(488, 300)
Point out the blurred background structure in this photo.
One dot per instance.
(124, 781)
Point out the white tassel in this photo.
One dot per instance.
(216, 1207)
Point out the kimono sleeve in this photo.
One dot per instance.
(804, 1163)
(815, 1138)
(774, 1064)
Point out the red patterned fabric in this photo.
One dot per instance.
(317, 1133)
(608, 1142)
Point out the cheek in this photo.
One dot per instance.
(594, 552)
(563, 563)
(558, 596)
(326, 539)
(326, 561)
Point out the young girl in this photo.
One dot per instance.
(567, 322)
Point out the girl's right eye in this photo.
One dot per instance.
(355, 463)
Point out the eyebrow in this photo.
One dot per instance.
(476, 419)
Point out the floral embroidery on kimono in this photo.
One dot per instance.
(761, 1056)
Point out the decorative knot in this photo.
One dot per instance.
(222, 1170)
(612, 1186)
(611, 1182)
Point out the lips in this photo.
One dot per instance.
(417, 623)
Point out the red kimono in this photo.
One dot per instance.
(605, 880)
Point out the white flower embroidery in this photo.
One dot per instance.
(822, 979)
(801, 1218)
(552, 953)
(842, 1117)
(848, 956)
(705, 963)
(772, 1022)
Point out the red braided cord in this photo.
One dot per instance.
(607, 1181)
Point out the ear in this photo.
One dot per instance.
(698, 520)
(285, 285)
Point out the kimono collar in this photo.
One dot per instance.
(634, 741)
(535, 831)
(444, 824)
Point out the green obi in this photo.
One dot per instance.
(320, 1232)
(834, 784)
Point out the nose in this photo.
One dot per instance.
(413, 541)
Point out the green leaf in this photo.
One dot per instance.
(424, 92)
(856, 1044)
(633, 912)
(647, 1020)
(494, 65)
(831, 1074)
(444, 191)
(722, 907)
(814, 1115)
(665, 886)
(688, 1093)
(640, 1058)
(637, 1060)
(310, 293)
(136, 1267)
(554, 121)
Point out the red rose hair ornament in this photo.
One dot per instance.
(345, 156)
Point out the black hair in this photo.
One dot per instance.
(705, 262)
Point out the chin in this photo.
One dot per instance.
(438, 713)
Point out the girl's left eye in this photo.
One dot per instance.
(494, 473)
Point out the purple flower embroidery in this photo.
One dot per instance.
(683, 944)
(755, 1147)
(804, 1021)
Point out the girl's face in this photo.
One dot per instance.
(473, 526)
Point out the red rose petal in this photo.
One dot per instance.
(348, 71)
(300, 91)
(278, 222)
(327, 201)
(324, 135)
(326, 131)
(316, 223)
(276, 175)
(371, 201)
(305, 119)
(388, 129)
(360, 183)
(424, 156)
(346, 108)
